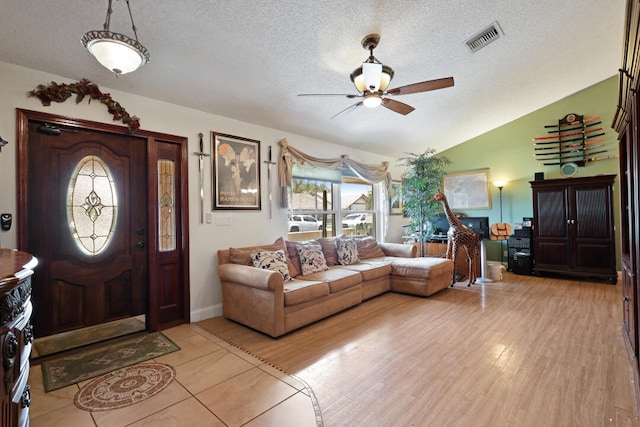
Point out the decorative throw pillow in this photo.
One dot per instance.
(368, 247)
(311, 259)
(243, 255)
(274, 261)
(347, 250)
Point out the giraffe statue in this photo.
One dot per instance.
(459, 236)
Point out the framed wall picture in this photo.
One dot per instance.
(396, 197)
(468, 190)
(235, 172)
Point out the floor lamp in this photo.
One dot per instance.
(500, 185)
(483, 249)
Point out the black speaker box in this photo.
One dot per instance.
(539, 176)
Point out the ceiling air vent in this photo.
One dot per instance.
(484, 37)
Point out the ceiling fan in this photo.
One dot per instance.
(372, 81)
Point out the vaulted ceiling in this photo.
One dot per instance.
(248, 59)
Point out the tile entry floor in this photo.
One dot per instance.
(216, 384)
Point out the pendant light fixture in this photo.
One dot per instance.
(120, 54)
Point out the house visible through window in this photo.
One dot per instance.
(358, 214)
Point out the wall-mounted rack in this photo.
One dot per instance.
(571, 143)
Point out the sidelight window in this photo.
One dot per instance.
(166, 206)
(92, 205)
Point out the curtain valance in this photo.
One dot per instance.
(289, 155)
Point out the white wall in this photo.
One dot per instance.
(248, 227)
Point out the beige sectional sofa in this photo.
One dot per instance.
(264, 300)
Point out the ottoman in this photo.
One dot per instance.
(420, 276)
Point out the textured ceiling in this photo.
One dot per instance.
(248, 59)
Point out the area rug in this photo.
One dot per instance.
(83, 365)
(125, 387)
(93, 334)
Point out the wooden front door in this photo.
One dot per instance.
(86, 220)
(135, 264)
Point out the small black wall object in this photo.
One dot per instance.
(5, 221)
(539, 176)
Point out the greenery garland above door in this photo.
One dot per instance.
(60, 92)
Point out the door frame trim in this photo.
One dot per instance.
(152, 140)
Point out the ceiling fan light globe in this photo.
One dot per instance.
(385, 78)
(357, 77)
(372, 101)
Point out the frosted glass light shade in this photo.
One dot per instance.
(371, 101)
(116, 52)
(385, 78)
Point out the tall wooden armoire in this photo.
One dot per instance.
(626, 123)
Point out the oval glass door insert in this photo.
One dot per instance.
(92, 205)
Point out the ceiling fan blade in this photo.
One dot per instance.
(349, 108)
(396, 106)
(422, 87)
(350, 96)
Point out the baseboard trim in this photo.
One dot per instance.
(206, 313)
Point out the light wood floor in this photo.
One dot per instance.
(521, 352)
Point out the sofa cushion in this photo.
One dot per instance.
(337, 278)
(272, 260)
(311, 258)
(329, 250)
(381, 260)
(421, 267)
(301, 291)
(347, 251)
(370, 270)
(368, 247)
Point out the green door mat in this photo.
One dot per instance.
(89, 335)
(74, 368)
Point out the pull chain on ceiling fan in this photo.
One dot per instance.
(372, 80)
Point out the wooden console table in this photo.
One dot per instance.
(16, 335)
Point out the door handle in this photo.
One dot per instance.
(140, 245)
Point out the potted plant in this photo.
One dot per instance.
(421, 179)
